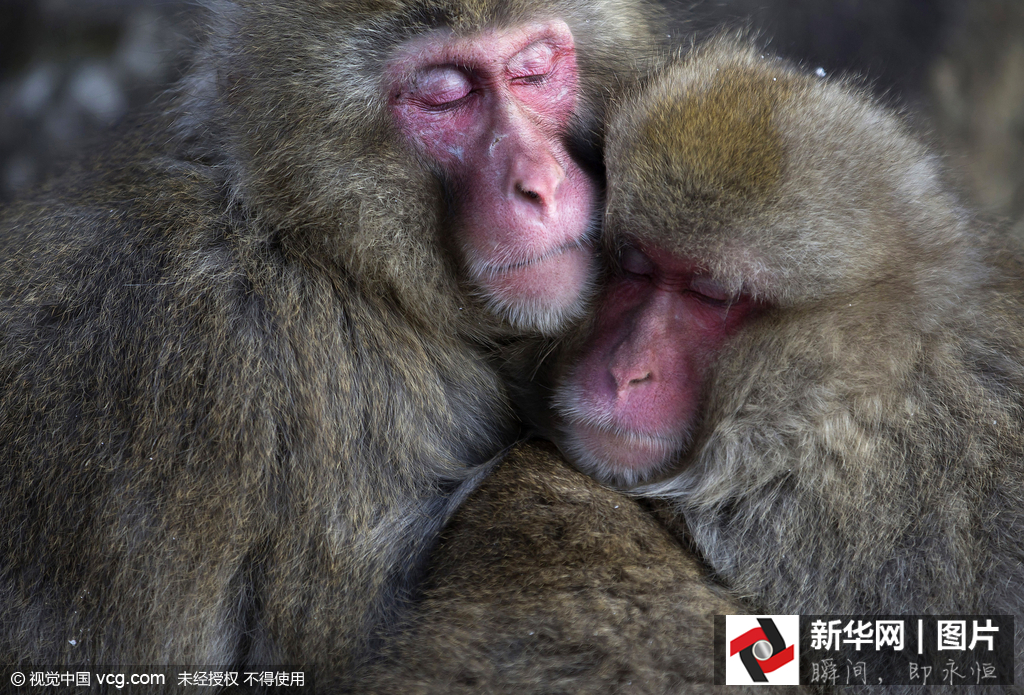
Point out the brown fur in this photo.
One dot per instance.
(680, 143)
(547, 582)
(240, 388)
(874, 413)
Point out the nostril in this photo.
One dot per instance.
(640, 380)
(532, 195)
(630, 376)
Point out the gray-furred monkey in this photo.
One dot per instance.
(808, 348)
(243, 373)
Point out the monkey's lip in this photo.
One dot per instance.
(634, 450)
(584, 244)
(543, 292)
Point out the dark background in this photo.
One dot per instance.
(71, 69)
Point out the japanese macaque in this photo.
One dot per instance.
(547, 582)
(807, 346)
(242, 356)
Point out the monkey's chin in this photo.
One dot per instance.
(542, 294)
(621, 458)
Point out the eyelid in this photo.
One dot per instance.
(711, 290)
(635, 262)
(535, 60)
(439, 85)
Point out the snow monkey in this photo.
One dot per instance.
(244, 370)
(807, 346)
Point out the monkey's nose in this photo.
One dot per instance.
(536, 177)
(630, 371)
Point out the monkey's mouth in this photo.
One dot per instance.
(625, 457)
(585, 244)
(539, 292)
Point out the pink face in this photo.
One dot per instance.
(492, 111)
(631, 400)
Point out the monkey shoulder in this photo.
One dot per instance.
(873, 402)
(143, 287)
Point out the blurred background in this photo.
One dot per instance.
(72, 69)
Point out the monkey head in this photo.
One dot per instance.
(741, 192)
(431, 148)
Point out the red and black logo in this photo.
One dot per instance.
(762, 650)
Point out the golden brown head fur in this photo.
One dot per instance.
(758, 172)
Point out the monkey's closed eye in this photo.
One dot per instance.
(533, 79)
(711, 292)
(633, 261)
(533, 64)
(440, 86)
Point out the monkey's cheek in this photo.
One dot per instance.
(545, 294)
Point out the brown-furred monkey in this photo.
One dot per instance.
(808, 347)
(546, 581)
(243, 374)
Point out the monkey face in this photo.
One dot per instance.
(491, 111)
(631, 398)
